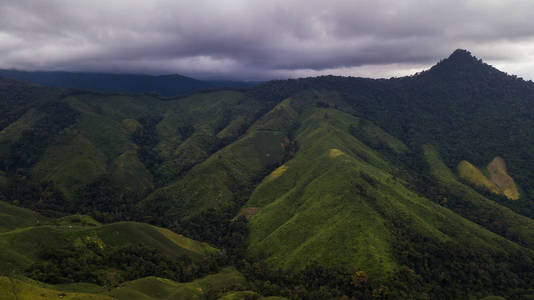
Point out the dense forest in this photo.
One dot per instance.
(314, 188)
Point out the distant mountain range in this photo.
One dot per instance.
(165, 85)
(420, 187)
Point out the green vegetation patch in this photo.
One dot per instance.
(22, 247)
(222, 180)
(210, 286)
(200, 248)
(499, 181)
(473, 175)
(311, 212)
(63, 162)
(131, 174)
(14, 289)
(243, 295)
(14, 131)
(490, 214)
(131, 125)
(376, 138)
(347, 210)
(124, 233)
(12, 217)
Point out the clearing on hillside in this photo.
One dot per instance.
(499, 176)
(499, 182)
(472, 174)
(335, 153)
(276, 173)
(247, 212)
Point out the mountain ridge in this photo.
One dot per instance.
(352, 182)
(169, 85)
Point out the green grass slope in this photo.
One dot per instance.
(64, 161)
(194, 127)
(222, 180)
(15, 289)
(293, 227)
(241, 295)
(20, 247)
(14, 131)
(226, 284)
(476, 207)
(12, 217)
(208, 287)
(347, 210)
(108, 132)
(328, 169)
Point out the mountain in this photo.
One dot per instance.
(407, 188)
(165, 85)
(80, 258)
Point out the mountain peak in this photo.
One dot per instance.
(462, 57)
(462, 63)
(461, 53)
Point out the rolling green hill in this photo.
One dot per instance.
(23, 246)
(12, 217)
(15, 289)
(312, 188)
(223, 179)
(27, 246)
(152, 288)
(215, 286)
(349, 210)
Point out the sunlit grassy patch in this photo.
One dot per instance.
(473, 175)
(277, 172)
(499, 181)
(499, 175)
(333, 153)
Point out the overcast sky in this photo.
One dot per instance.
(264, 39)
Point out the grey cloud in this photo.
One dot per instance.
(240, 39)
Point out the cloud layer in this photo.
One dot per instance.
(249, 39)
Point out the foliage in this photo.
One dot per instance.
(93, 264)
(43, 196)
(105, 201)
(28, 149)
(17, 289)
(211, 286)
(349, 199)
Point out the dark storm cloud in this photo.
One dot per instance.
(245, 39)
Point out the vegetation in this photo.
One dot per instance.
(215, 286)
(92, 264)
(208, 287)
(12, 217)
(15, 289)
(316, 188)
(81, 243)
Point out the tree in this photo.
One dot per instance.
(360, 279)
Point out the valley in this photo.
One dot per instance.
(416, 187)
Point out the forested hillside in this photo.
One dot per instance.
(417, 187)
